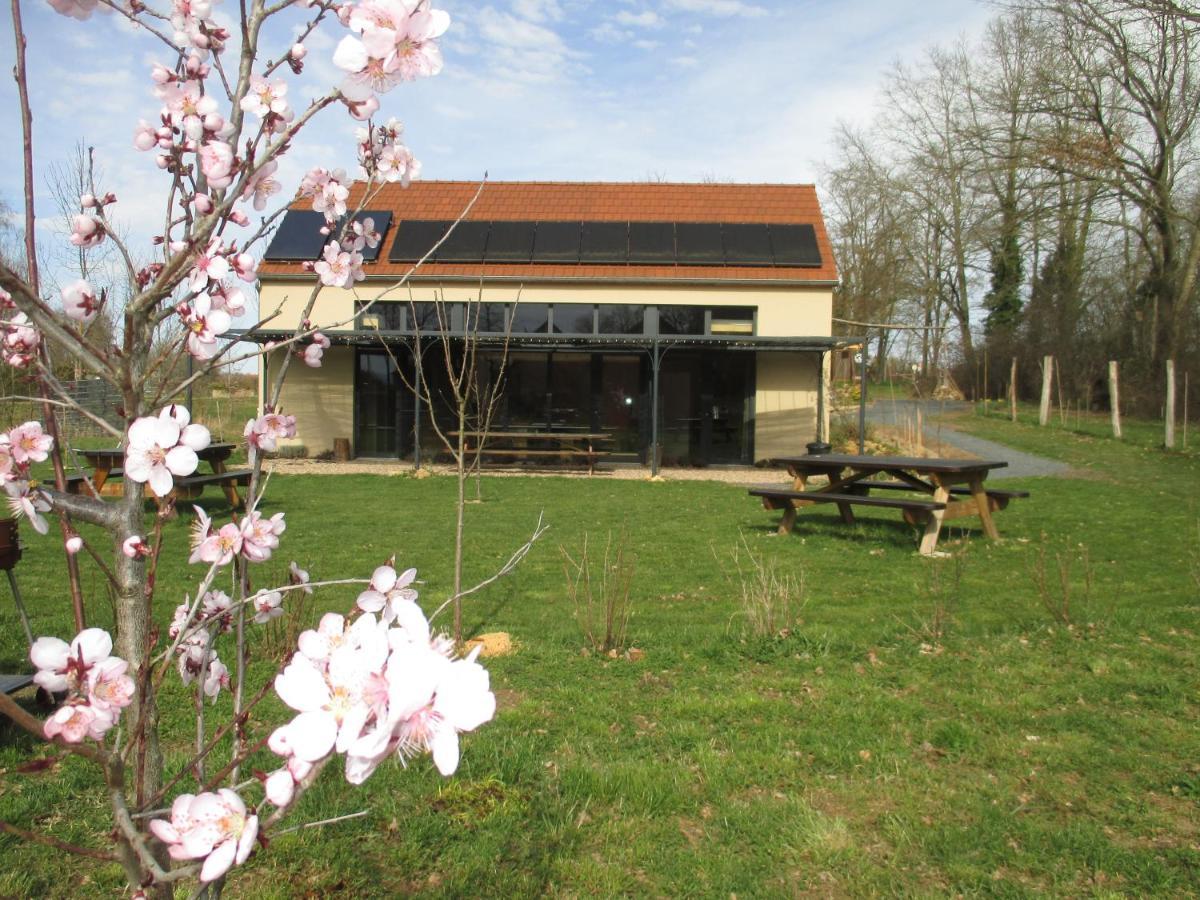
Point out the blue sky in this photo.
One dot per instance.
(739, 90)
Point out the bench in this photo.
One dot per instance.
(566, 454)
(962, 505)
(10, 684)
(1004, 496)
(190, 486)
(78, 482)
(915, 510)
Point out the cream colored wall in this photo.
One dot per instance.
(785, 403)
(782, 311)
(322, 399)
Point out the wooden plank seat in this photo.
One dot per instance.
(10, 684)
(233, 476)
(914, 510)
(957, 491)
(78, 482)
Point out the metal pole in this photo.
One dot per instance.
(862, 398)
(654, 361)
(417, 408)
(821, 396)
(12, 582)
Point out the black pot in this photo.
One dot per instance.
(817, 448)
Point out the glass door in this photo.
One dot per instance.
(383, 407)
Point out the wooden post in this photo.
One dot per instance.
(1114, 400)
(1169, 412)
(1047, 382)
(1012, 390)
(1185, 409)
(920, 434)
(1063, 418)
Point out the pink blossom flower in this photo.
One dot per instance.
(217, 607)
(203, 204)
(210, 265)
(24, 500)
(214, 827)
(260, 535)
(214, 546)
(217, 162)
(73, 544)
(203, 331)
(298, 52)
(280, 788)
(109, 687)
(268, 605)
(390, 593)
(134, 547)
(336, 268)
(265, 97)
(215, 678)
(76, 9)
(29, 443)
(299, 576)
(228, 297)
(79, 302)
(246, 267)
(86, 231)
(159, 449)
(21, 341)
(265, 432)
(74, 722)
(62, 666)
(262, 185)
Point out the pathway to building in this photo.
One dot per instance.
(1020, 465)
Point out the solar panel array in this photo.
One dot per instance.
(592, 243)
(299, 235)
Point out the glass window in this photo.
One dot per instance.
(525, 398)
(492, 316)
(382, 316)
(622, 318)
(732, 320)
(573, 318)
(530, 318)
(424, 317)
(681, 320)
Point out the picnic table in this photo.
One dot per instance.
(945, 489)
(519, 445)
(105, 465)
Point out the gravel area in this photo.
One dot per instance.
(632, 472)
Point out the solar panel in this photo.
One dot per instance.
(652, 242)
(298, 236)
(604, 242)
(557, 242)
(382, 220)
(699, 244)
(414, 238)
(510, 242)
(747, 245)
(465, 243)
(795, 245)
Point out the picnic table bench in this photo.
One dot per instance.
(947, 489)
(105, 472)
(580, 446)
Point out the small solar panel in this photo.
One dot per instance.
(414, 238)
(382, 220)
(557, 242)
(465, 243)
(510, 242)
(652, 242)
(604, 242)
(699, 244)
(747, 245)
(298, 236)
(795, 245)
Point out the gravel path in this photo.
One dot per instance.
(1020, 465)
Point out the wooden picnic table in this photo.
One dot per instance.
(105, 465)
(947, 489)
(533, 444)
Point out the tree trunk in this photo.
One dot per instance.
(1114, 399)
(1169, 408)
(1047, 381)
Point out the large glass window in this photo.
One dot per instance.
(423, 317)
(382, 316)
(681, 320)
(525, 397)
(573, 318)
(732, 320)
(621, 318)
(493, 317)
(530, 318)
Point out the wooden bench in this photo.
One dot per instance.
(10, 684)
(566, 454)
(515, 445)
(962, 505)
(78, 482)
(190, 486)
(915, 510)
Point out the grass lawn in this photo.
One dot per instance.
(926, 726)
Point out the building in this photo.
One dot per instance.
(710, 303)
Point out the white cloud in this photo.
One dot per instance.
(538, 10)
(609, 33)
(644, 44)
(647, 18)
(721, 8)
(685, 62)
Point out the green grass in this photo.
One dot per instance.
(927, 727)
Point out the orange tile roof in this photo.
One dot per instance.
(794, 204)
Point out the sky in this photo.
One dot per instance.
(622, 90)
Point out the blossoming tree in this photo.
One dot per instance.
(363, 686)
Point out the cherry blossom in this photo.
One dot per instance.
(109, 687)
(86, 231)
(218, 163)
(214, 827)
(268, 605)
(26, 500)
(313, 353)
(28, 443)
(21, 341)
(214, 545)
(299, 577)
(73, 544)
(260, 535)
(160, 449)
(75, 9)
(262, 185)
(75, 721)
(135, 547)
(203, 329)
(79, 301)
(62, 666)
(265, 97)
(265, 432)
(336, 268)
(210, 265)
